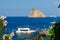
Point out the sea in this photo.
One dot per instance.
(25, 22)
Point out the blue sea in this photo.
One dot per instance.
(24, 22)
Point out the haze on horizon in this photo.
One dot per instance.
(23, 7)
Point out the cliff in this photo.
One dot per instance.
(36, 13)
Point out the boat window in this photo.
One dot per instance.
(23, 30)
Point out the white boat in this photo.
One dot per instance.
(25, 30)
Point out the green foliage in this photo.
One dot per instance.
(52, 34)
(6, 37)
(2, 27)
(57, 30)
(54, 31)
(42, 38)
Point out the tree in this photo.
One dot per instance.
(54, 31)
(2, 27)
(51, 33)
(57, 30)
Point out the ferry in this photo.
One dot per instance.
(25, 30)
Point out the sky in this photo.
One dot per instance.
(23, 7)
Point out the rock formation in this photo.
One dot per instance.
(36, 13)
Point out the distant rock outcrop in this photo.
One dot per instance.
(36, 13)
